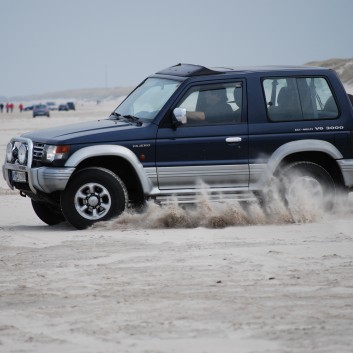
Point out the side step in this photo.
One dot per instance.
(212, 197)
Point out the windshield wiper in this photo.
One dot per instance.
(131, 117)
(116, 115)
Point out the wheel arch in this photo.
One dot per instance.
(321, 158)
(320, 152)
(120, 160)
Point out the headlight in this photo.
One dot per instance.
(56, 152)
(9, 149)
(22, 154)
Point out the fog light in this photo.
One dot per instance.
(22, 154)
(9, 155)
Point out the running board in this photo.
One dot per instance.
(211, 197)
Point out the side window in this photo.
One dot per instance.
(290, 99)
(213, 104)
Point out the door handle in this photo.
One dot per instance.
(233, 139)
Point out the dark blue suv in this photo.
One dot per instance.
(232, 129)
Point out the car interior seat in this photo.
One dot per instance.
(288, 104)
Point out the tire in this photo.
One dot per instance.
(313, 179)
(93, 195)
(47, 213)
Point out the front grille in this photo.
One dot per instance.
(38, 150)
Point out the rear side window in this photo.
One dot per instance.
(299, 98)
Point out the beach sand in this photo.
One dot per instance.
(170, 280)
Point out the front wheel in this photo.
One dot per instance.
(47, 213)
(93, 195)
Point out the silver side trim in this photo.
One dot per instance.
(346, 166)
(213, 175)
(256, 171)
(198, 189)
(151, 174)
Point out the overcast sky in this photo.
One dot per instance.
(52, 45)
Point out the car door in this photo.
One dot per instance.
(213, 150)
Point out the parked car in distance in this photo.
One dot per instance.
(41, 110)
(52, 105)
(63, 107)
(71, 105)
(29, 107)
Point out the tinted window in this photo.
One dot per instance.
(213, 104)
(308, 98)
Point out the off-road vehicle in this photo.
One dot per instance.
(232, 129)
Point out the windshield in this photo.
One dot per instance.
(148, 99)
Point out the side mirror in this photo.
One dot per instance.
(180, 115)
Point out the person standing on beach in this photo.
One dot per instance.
(1, 107)
(20, 107)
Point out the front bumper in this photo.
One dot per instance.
(45, 179)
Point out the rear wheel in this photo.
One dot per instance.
(302, 181)
(93, 195)
(47, 213)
